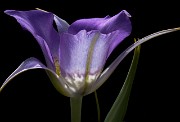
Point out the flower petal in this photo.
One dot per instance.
(33, 63)
(40, 24)
(83, 54)
(109, 70)
(62, 25)
(47, 53)
(104, 25)
(120, 23)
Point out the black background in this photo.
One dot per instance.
(154, 97)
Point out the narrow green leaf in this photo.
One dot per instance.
(118, 109)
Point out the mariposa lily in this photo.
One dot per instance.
(75, 54)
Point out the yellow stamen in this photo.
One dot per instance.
(57, 66)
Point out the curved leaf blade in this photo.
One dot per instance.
(118, 109)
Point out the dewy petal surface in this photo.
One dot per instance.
(120, 23)
(40, 24)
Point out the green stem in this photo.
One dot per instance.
(76, 103)
(98, 108)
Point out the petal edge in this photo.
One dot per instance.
(33, 63)
(109, 70)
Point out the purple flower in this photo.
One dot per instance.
(75, 54)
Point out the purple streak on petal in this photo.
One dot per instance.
(119, 23)
(33, 63)
(40, 24)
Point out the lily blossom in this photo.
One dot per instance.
(75, 54)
